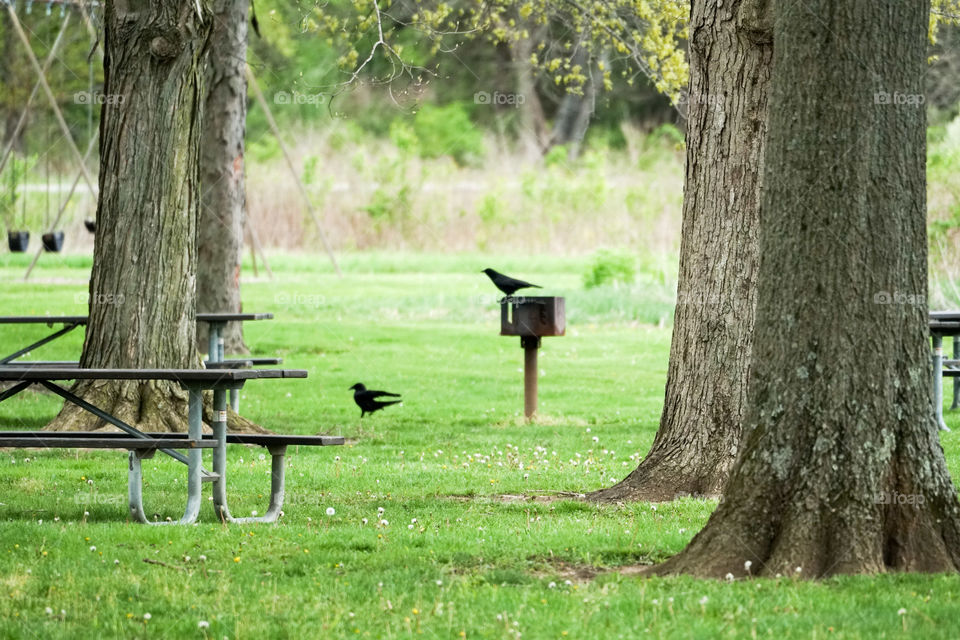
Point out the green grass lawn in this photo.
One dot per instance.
(425, 539)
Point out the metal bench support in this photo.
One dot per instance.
(277, 481)
(938, 379)
(194, 470)
(956, 381)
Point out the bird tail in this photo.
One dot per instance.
(390, 402)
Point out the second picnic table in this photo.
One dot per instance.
(217, 322)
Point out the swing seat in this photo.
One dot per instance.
(53, 241)
(18, 241)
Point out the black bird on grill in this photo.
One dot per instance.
(366, 399)
(508, 285)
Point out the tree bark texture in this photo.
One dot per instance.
(842, 469)
(223, 195)
(143, 283)
(731, 53)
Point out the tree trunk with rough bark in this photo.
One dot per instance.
(142, 287)
(731, 52)
(222, 195)
(842, 470)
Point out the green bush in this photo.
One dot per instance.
(448, 131)
(609, 267)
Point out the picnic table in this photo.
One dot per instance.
(217, 322)
(143, 445)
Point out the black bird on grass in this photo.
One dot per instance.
(366, 399)
(508, 285)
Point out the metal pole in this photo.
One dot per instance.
(33, 94)
(296, 178)
(63, 208)
(938, 380)
(50, 97)
(956, 380)
(530, 344)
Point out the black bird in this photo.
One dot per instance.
(507, 284)
(366, 399)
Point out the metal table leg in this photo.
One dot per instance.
(956, 381)
(277, 453)
(194, 470)
(216, 349)
(938, 380)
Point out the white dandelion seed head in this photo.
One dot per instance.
(331, 511)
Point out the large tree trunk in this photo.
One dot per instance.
(142, 287)
(731, 53)
(842, 470)
(222, 195)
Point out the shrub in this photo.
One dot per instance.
(609, 267)
(448, 131)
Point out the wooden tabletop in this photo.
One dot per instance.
(214, 376)
(43, 319)
(201, 317)
(945, 327)
(233, 317)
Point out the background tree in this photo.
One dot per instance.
(223, 194)
(731, 51)
(842, 469)
(143, 282)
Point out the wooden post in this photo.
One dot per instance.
(530, 344)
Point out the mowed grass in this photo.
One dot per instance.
(435, 531)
